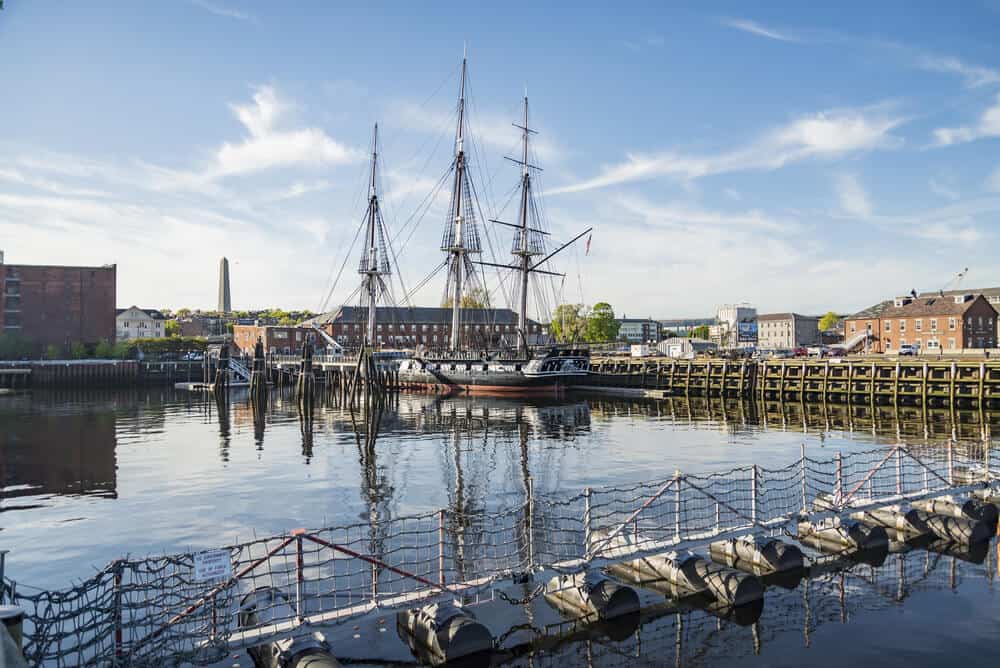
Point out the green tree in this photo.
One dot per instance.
(78, 351)
(14, 346)
(475, 298)
(120, 350)
(569, 323)
(53, 352)
(829, 321)
(699, 332)
(182, 312)
(601, 324)
(172, 328)
(103, 350)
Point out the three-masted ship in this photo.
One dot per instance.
(522, 367)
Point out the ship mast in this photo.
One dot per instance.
(374, 259)
(457, 249)
(523, 249)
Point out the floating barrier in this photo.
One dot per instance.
(836, 535)
(267, 605)
(591, 593)
(442, 632)
(972, 509)
(757, 555)
(686, 572)
(916, 522)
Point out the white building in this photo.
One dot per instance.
(139, 323)
(729, 317)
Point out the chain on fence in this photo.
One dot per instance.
(139, 611)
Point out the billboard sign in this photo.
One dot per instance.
(746, 331)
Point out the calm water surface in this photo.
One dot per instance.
(88, 477)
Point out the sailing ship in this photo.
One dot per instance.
(525, 369)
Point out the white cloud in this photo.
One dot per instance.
(972, 76)
(988, 126)
(853, 198)
(993, 181)
(47, 185)
(943, 190)
(733, 194)
(222, 10)
(824, 135)
(759, 30)
(267, 147)
(950, 232)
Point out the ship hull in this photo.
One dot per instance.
(543, 376)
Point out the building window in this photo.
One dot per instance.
(951, 343)
(888, 325)
(902, 326)
(918, 325)
(951, 324)
(933, 324)
(853, 328)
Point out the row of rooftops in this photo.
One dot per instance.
(151, 312)
(947, 302)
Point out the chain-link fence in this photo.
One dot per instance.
(140, 611)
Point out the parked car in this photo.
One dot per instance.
(834, 351)
(801, 351)
(909, 349)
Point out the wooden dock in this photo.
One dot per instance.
(878, 381)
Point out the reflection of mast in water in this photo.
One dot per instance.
(375, 488)
(222, 406)
(306, 429)
(259, 410)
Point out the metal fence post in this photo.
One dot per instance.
(441, 547)
(299, 575)
(117, 612)
(899, 470)
(3, 569)
(753, 494)
(587, 510)
(802, 466)
(839, 492)
(951, 463)
(677, 505)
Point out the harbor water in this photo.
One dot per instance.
(88, 476)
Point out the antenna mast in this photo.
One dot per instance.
(523, 249)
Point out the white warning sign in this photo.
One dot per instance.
(212, 565)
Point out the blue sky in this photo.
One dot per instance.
(797, 157)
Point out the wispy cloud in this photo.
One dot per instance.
(654, 42)
(943, 190)
(993, 181)
(222, 10)
(824, 135)
(950, 232)
(47, 185)
(973, 76)
(987, 126)
(755, 28)
(854, 199)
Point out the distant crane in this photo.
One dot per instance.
(954, 282)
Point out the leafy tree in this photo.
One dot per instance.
(829, 321)
(475, 298)
(700, 332)
(78, 351)
(172, 328)
(569, 323)
(287, 321)
(53, 352)
(601, 324)
(103, 350)
(182, 312)
(14, 346)
(120, 350)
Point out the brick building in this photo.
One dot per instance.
(58, 306)
(933, 323)
(401, 327)
(278, 339)
(787, 330)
